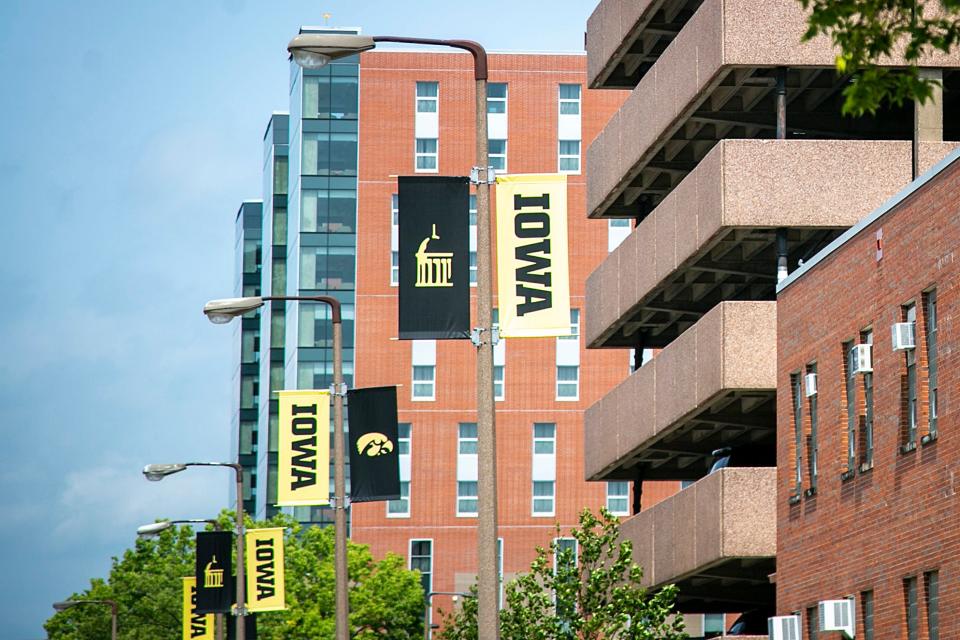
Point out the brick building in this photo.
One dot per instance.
(733, 165)
(867, 451)
(329, 226)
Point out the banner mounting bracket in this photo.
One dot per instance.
(476, 336)
(489, 175)
(342, 391)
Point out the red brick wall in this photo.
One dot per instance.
(898, 519)
(387, 86)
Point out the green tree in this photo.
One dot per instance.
(866, 31)
(386, 599)
(593, 594)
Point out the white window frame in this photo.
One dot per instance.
(562, 101)
(394, 233)
(433, 568)
(619, 496)
(403, 501)
(499, 382)
(551, 439)
(435, 99)
(506, 94)
(401, 440)
(557, 550)
(470, 440)
(491, 156)
(432, 382)
(576, 396)
(417, 155)
(535, 497)
(462, 513)
(574, 326)
(569, 156)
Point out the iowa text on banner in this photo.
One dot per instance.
(303, 458)
(434, 253)
(196, 626)
(374, 447)
(532, 276)
(265, 570)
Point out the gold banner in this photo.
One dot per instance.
(196, 626)
(265, 570)
(532, 276)
(303, 459)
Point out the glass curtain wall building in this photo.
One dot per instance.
(246, 376)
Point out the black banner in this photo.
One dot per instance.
(214, 572)
(434, 248)
(374, 450)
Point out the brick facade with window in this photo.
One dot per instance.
(879, 523)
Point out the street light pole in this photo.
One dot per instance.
(156, 472)
(315, 50)
(429, 597)
(221, 311)
(63, 606)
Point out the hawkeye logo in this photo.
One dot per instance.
(212, 578)
(433, 269)
(374, 444)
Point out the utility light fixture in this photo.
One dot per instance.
(157, 472)
(224, 310)
(315, 50)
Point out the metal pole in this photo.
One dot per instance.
(113, 620)
(241, 574)
(339, 480)
(488, 624)
(781, 103)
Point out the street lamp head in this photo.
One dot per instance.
(223, 311)
(315, 50)
(154, 529)
(155, 472)
(63, 606)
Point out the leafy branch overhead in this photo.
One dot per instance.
(591, 593)
(867, 31)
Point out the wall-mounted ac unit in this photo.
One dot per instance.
(837, 615)
(810, 384)
(783, 628)
(860, 358)
(904, 336)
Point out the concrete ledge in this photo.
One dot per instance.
(727, 516)
(741, 186)
(730, 352)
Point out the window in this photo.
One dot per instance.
(473, 236)
(574, 326)
(543, 497)
(421, 559)
(427, 93)
(850, 388)
(467, 438)
(812, 451)
(497, 97)
(909, 421)
(328, 267)
(394, 233)
(812, 623)
(544, 437)
(866, 337)
(426, 155)
(713, 623)
(569, 156)
(569, 99)
(330, 153)
(930, 318)
(499, 361)
(797, 432)
(330, 97)
(466, 498)
(498, 389)
(618, 229)
(618, 498)
(912, 612)
(403, 439)
(400, 508)
(866, 606)
(498, 155)
(424, 382)
(568, 382)
(328, 210)
(565, 553)
(931, 582)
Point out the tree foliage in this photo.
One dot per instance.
(593, 594)
(866, 31)
(386, 599)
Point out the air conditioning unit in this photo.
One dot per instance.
(904, 336)
(837, 615)
(810, 384)
(783, 628)
(861, 360)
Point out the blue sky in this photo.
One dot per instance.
(131, 131)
